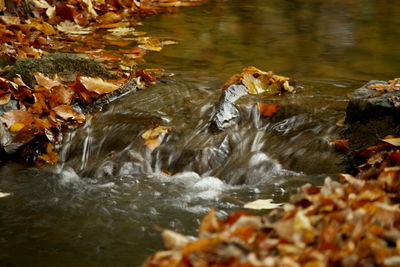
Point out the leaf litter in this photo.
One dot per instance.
(51, 107)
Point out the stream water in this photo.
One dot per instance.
(101, 204)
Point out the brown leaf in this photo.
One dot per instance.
(98, 85)
(174, 240)
(16, 116)
(341, 145)
(67, 113)
(152, 136)
(209, 224)
(268, 110)
(49, 157)
(47, 82)
(4, 99)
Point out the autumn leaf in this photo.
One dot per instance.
(260, 204)
(153, 43)
(174, 240)
(2, 194)
(46, 82)
(98, 85)
(152, 136)
(49, 157)
(392, 141)
(72, 28)
(4, 99)
(341, 145)
(67, 113)
(16, 116)
(268, 110)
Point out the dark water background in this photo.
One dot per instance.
(100, 205)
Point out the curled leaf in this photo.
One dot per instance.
(66, 112)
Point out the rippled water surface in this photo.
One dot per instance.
(101, 204)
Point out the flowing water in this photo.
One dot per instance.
(101, 204)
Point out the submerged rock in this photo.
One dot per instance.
(64, 65)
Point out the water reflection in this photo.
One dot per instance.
(99, 206)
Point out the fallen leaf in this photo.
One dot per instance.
(49, 157)
(45, 81)
(72, 28)
(4, 99)
(10, 20)
(174, 240)
(341, 145)
(392, 141)
(152, 136)
(4, 194)
(66, 112)
(16, 116)
(16, 127)
(98, 85)
(260, 204)
(268, 110)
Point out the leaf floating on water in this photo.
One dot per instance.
(98, 85)
(154, 43)
(260, 204)
(268, 110)
(152, 136)
(4, 194)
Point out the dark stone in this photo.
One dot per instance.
(366, 104)
(226, 112)
(64, 65)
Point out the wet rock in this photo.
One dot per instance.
(371, 115)
(226, 112)
(366, 104)
(64, 65)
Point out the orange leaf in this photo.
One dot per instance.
(68, 113)
(98, 85)
(268, 110)
(16, 116)
(341, 145)
(46, 82)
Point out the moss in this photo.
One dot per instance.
(64, 65)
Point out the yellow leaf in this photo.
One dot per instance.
(392, 141)
(44, 27)
(151, 136)
(260, 204)
(98, 85)
(16, 127)
(4, 194)
(2, 5)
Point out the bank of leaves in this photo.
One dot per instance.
(353, 222)
(34, 117)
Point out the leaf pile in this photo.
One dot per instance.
(31, 28)
(355, 222)
(390, 86)
(35, 115)
(260, 82)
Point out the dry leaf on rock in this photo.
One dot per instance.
(45, 81)
(17, 116)
(98, 85)
(260, 204)
(67, 113)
